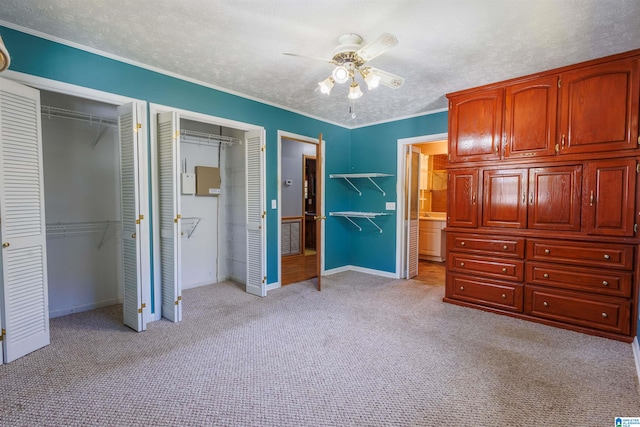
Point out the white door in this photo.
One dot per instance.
(134, 216)
(169, 202)
(256, 213)
(25, 301)
(412, 208)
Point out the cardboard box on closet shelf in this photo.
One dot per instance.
(207, 181)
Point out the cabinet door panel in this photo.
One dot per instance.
(505, 198)
(609, 197)
(475, 126)
(554, 198)
(530, 118)
(599, 108)
(462, 207)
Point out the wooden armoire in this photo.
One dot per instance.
(543, 197)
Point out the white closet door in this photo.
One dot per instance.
(134, 205)
(169, 201)
(413, 221)
(25, 305)
(256, 213)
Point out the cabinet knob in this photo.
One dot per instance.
(505, 247)
(504, 296)
(504, 269)
(545, 275)
(605, 315)
(462, 243)
(546, 251)
(605, 283)
(546, 304)
(462, 264)
(462, 288)
(606, 256)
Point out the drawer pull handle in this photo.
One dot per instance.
(546, 251)
(605, 315)
(605, 283)
(545, 275)
(504, 269)
(462, 264)
(606, 256)
(462, 288)
(504, 296)
(462, 243)
(546, 304)
(505, 247)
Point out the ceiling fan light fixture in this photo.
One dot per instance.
(354, 91)
(326, 85)
(5, 60)
(340, 74)
(371, 79)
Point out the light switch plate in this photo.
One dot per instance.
(274, 204)
(390, 206)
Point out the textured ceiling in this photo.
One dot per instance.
(237, 45)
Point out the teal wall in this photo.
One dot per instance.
(375, 149)
(369, 149)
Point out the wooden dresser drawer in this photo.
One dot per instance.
(512, 247)
(491, 293)
(589, 254)
(508, 269)
(604, 313)
(602, 281)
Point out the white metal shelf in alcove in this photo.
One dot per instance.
(349, 215)
(348, 176)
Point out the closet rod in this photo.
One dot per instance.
(209, 137)
(77, 115)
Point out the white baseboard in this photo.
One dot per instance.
(84, 307)
(361, 270)
(636, 355)
(272, 286)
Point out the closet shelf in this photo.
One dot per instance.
(348, 176)
(194, 137)
(92, 119)
(67, 228)
(366, 215)
(189, 223)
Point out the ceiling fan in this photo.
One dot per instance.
(350, 60)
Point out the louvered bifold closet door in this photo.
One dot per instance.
(256, 213)
(169, 202)
(25, 306)
(413, 219)
(131, 216)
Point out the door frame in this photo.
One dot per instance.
(304, 139)
(401, 238)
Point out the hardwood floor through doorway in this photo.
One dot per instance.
(297, 268)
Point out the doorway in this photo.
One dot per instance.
(422, 191)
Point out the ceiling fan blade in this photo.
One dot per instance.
(377, 47)
(388, 79)
(329, 61)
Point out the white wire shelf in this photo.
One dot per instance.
(194, 137)
(93, 119)
(349, 176)
(83, 227)
(366, 215)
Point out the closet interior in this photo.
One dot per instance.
(213, 220)
(82, 203)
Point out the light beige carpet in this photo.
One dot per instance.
(366, 351)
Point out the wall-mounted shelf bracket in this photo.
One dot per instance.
(348, 176)
(190, 223)
(366, 215)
